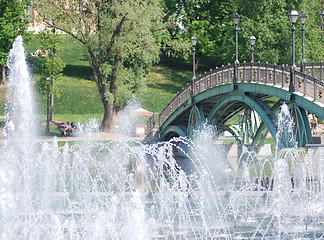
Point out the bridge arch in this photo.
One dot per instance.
(216, 93)
(174, 131)
(196, 118)
(263, 110)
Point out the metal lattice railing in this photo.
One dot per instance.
(309, 84)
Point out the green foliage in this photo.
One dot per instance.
(268, 20)
(314, 37)
(121, 38)
(13, 21)
(51, 65)
(211, 22)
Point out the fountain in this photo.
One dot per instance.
(178, 189)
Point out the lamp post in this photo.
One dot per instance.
(303, 18)
(236, 19)
(193, 43)
(293, 19)
(252, 42)
(48, 82)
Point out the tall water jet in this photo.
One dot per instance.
(285, 137)
(21, 105)
(19, 178)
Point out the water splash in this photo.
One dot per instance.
(126, 122)
(20, 94)
(285, 137)
(178, 189)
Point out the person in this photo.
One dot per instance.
(46, 52)
(9, 127)
(314, 124)
(62, 129)
(74, 127)
(69, 128)
(38, 52)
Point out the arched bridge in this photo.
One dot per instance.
(252, 91)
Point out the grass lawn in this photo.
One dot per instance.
(79, 97)
(163, 83)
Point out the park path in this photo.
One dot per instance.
(100, 136)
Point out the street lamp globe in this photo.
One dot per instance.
(322, 16)
(193, 41)
(303, 18)
(293, 15)
(252, 40)
(236, 18)
(48, 81)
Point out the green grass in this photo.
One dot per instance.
(78, 95)
(163, 83)
(78, 98)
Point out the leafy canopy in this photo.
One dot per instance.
(121, 38)
(211, 22)
(13, 22)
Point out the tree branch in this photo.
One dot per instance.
(116, 34)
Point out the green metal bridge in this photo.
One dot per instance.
(253, 91)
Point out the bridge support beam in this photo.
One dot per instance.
(196, 118)
(261, 108)
(302, 126)
(173, 131)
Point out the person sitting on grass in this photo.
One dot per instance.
(74, 127)
(62, 129)
(69, 128)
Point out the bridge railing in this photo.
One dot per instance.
(309, 86)
(263, 73)
(315, 69)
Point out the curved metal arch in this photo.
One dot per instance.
(196, 118)
(178, 130)
(263, 110)
(223, 110)
(302, 128)
(234, 133)
(265, 89)
(249, 124)
(262, 131)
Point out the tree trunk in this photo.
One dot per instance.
(109, 117)
(109, 104)
(2, 74)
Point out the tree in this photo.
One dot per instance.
(51, 65)
(211, 22)
(268, 20)
(13, 22)
(314, 38)
(121, 40)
